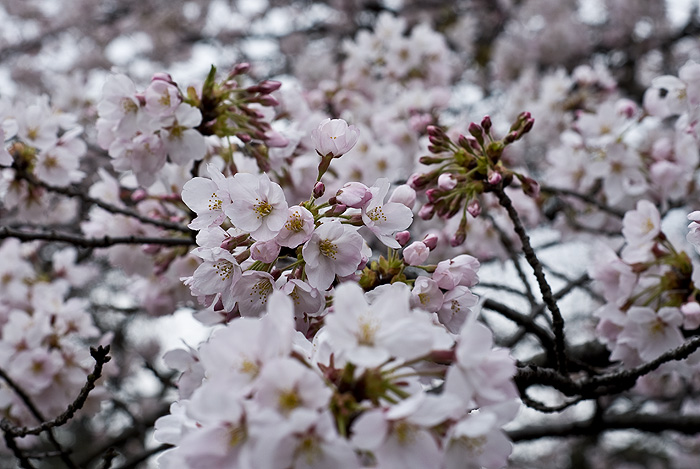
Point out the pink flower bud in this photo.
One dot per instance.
(402, 237)
(626, 107)
(433, 195)
(354, 195)
(163, 77)
(474, 208)
(427, 211)
(319, 189)
(458, 239)
(268, 100)
(691, 315)
(477, 132)
(486, 123)
(416, 253)
(405, 195)
(338, 209)
(150, 249)
(431, 241)
(265, 87)
(334, 137)
(418, 181)
(138, 195)
(240, 68)
(265, 251)
(275, 139)
(447, 182)
(494, 177)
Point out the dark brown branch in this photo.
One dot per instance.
(513, 255)
(687, 424)
(545, 289)
(568, 288)
(609, 383)
(81, 194)
(105, 241)
(526, 322)
(101, 357)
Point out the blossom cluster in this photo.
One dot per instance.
(328, 229)
(361, 392)
(42, 331)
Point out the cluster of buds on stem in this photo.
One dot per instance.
(228, 108)
(467, 169)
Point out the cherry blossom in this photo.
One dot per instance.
(385, 219)
(333, 249)
(258, 205)
(333, 137)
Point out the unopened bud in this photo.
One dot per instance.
(486, 123)
(266, 86)
(402, 237)
(245, 138)
(461, 235)
(162, 77)
(151, 249)
(494, 177)
(474, 208)
(338, 209)
(427, 160)
(427, 211)
(469, 143)
(447, 182)
(433, 195)
(530, 186)
(435, 131)
(319, 189)
(267, 100)
(431, 241)
(477, 132)
(240, 68)
(138, 195)
(418, 181)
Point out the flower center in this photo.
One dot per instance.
(236, 435)
(263, 208)
(368, 329)
(328, 249)
(249, 367)
(129, 106)
(288, 400)
(376, 214)
(474, 446)
(214, 202)
(223, 269)
(294, 223)
(309, 450)
(262, 289)
(405, 433)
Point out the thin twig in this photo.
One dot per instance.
(682, 423)
(586, 198)
(81, 194)
(101, 357)
(105, 241)
(513, 255)
(545, 289)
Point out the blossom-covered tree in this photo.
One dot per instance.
(410, 234)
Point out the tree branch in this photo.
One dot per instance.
(105, 241)
(687, 424)
(545, 289)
